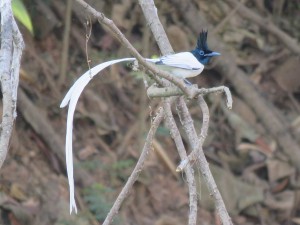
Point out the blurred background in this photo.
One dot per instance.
(253, 149)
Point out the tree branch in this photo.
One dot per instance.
(10, 56)
(182, 153)
(137, 170)
(221, 209)
(150, 13)
(190, 91)
(114, 30)
(198, 154)
(154, 92)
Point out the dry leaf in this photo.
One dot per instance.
(16, 192)
(287, 74)
(278, 169)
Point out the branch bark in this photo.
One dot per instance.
(150, 13)
(198, 154)
(161, 38)
(194, 140)
(138, 168)
(114, 30)
(171, 124)
(10, 56)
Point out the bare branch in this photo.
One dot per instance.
(190, 91)
(10, 56)
(114, 30)
(150, 13)
(198, 154)
(66, 39)
(154, 92)
(137, 170)
(190, 128)
(182, 153)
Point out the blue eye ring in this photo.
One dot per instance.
(201, 52)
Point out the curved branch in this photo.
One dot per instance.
(114, 30)
(198, 155)
(137, 170)
(154, 92)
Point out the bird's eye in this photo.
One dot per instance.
(201, 52)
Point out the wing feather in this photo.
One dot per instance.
(183, 60)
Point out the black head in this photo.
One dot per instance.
(202, 52)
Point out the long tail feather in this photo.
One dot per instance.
(71, 98)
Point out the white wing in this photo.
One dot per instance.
(183, 60)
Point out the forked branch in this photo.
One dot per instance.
(150, 12)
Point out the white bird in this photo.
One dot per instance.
(182, 65)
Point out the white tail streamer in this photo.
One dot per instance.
(71, 98)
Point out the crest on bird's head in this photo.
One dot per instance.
(202, 52)
(202, 41)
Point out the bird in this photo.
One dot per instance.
(181, 65)
(187, 64)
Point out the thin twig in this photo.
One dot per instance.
(137, 170)
(152, 20)
(150, 13)
(88, 27)
(197, 141)
(198, 154)
(182, 153)
(114, 30)
(204, 168)
(18, 45)
(188, 126)
(66, 38)
(189, 91)
(205, 119)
